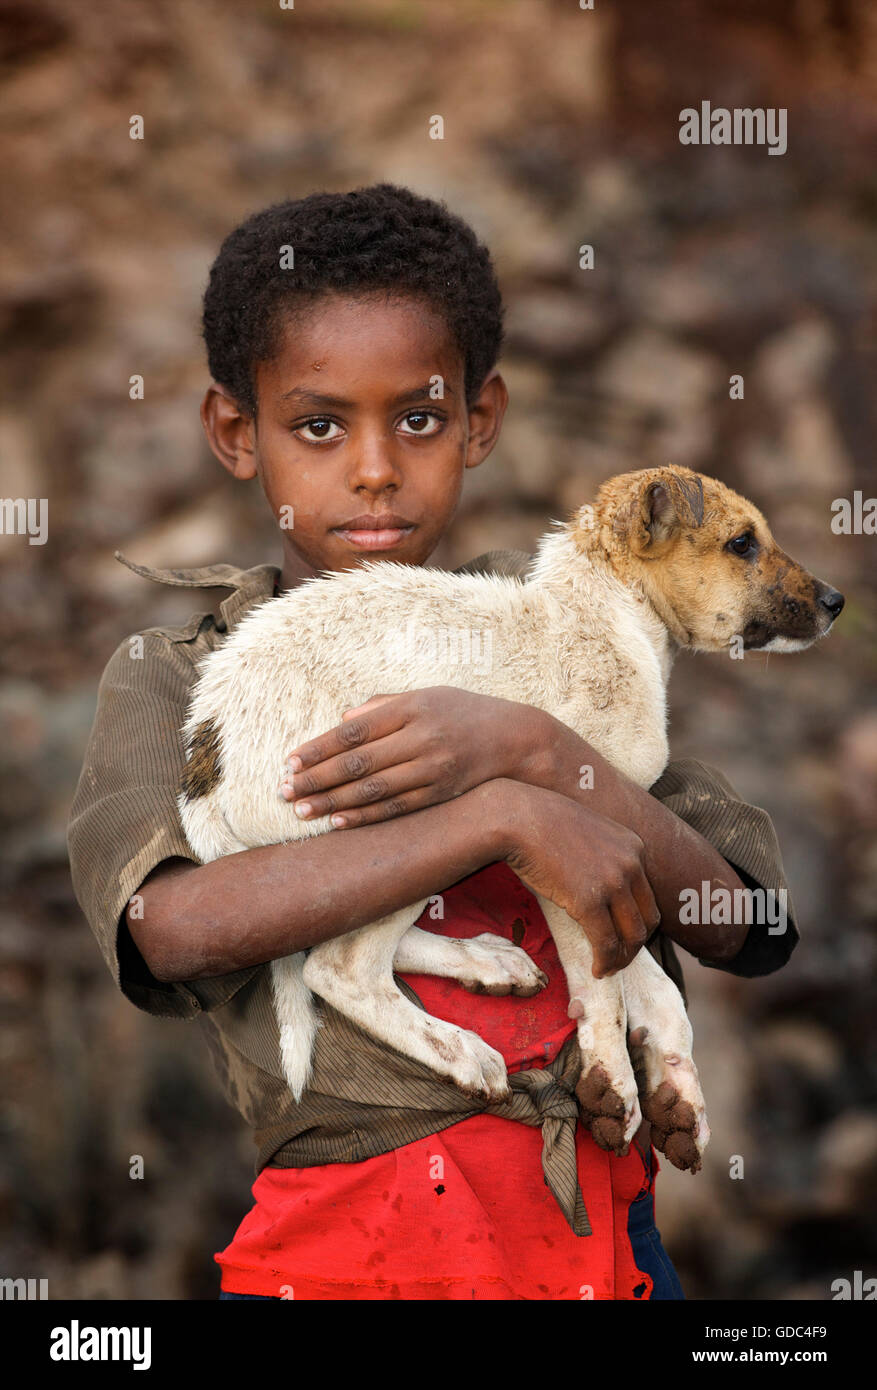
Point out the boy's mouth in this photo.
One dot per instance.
(378, 532)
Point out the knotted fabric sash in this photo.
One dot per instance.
(546, 1096)
(407, 1101)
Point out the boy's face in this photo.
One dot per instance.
(357, 459)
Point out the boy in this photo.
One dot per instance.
(382, 1184)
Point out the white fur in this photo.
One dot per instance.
(571, 640)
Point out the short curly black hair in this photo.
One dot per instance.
(379, 238)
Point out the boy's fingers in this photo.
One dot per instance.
(604, 943)
(374, 701)
(629, 925)
(352, 733)
(647, 903)
(401, 805)
(353, 765)
(397, 779)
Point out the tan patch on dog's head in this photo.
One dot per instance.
(203, 769)
(706, 559)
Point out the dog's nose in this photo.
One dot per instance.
(833, 601)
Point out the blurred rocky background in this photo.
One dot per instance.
(561, 128)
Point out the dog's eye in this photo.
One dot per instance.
(742, 545)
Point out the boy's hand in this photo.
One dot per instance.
(590, 866)
(398, 753)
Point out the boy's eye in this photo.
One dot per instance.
(419, 422)
(319, 428)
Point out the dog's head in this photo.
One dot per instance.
(706, 560)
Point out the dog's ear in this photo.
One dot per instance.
(665, 506)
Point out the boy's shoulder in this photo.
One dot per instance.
(253, 586)
(248, 587)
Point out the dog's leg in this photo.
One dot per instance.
(661, 1049)
(354, 973)
(485, 964)
(606, 1089)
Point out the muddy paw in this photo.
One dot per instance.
(676, 1128)
(603, 1110)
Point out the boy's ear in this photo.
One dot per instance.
(229, 432)
(485, 418)
(665, 506)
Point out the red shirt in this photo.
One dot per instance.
(464, 1214)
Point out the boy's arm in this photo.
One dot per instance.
(180, 937)
(397, 754)
(697, 831)
(124, 820)
(745, 837)
(248, 908)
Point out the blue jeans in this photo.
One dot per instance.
(648, 1253)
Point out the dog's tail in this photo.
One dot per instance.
(297, 1020)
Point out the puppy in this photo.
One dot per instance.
(665, 558)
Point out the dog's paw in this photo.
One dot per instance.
(492, 965)
(609, 1110)
(678, 1131)
(475, 1068)
(672, 1102)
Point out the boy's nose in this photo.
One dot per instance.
(374, 466)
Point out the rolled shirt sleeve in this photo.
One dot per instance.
(744, 836)
(124, 819)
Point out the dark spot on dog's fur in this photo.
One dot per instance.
(204, 767)
(441, 1047)
(687, 494)
(756, 634)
